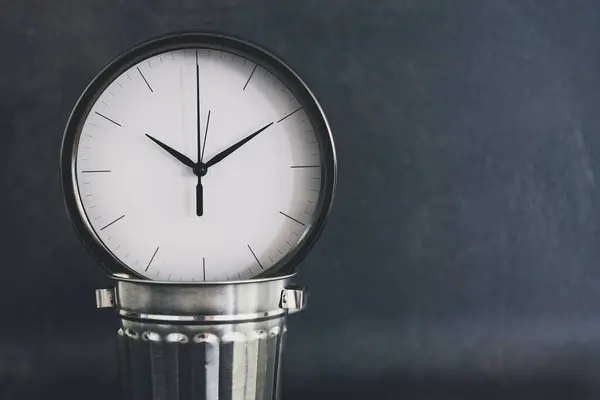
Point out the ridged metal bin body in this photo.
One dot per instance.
(208, 341)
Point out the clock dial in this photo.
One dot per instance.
(199, 163)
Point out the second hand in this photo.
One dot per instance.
(199, 189)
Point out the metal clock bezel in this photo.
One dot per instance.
(216, 41)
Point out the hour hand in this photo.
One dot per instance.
(183, 159)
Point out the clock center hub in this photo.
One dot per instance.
(200, 169)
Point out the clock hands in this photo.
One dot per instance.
(200, 169)
(183, 159)
(205, 136)
(199, 189)
(234, 147)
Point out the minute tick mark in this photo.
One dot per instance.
(144, 78)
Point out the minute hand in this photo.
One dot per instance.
(234, 147)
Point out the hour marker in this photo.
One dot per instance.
(290, 114)
(305, 166)
(203, 268)
(118, 219)
(144, 78)
(118, 83)
(252, 73)
(293, 219)
(95, 170)
(108, 119)
(239, 276)
(152, 259)
(256, 258)
(289, 244)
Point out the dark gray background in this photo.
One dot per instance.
(461, 258)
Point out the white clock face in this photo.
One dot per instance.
(143, 203)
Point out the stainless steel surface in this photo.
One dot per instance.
(224, 340)
(105, 298)
(293, 299)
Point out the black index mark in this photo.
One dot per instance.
(109, 224)
(152, 259)
(293, 219)
(144, 78)
(96, 170)
(250, 77)
(305, 166)
(256, 258)
(108, 119)
(203, 268)
(290, 114)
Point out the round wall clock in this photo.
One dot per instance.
(198, 157)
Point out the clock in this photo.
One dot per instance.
(198, 157)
